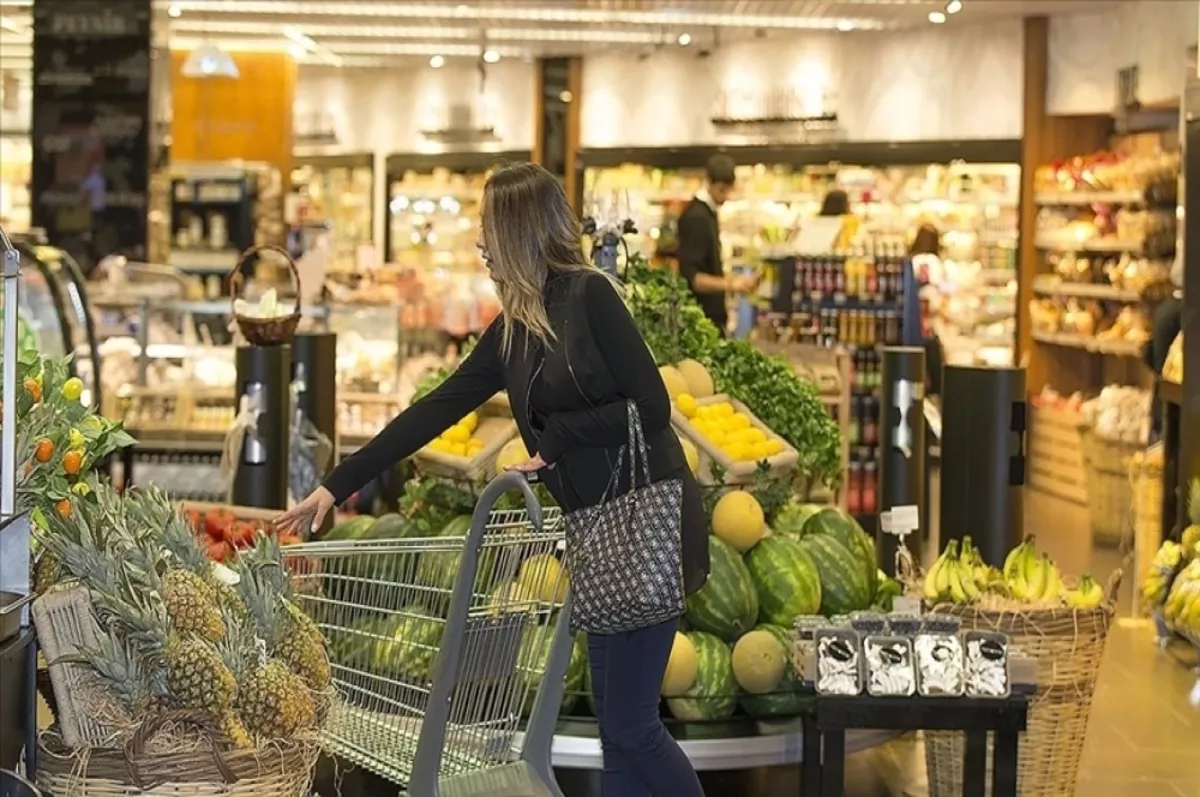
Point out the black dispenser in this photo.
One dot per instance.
(264, 375)
(314, 382)
(902, 447)
(983, 458)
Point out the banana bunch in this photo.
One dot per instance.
(959, 575)
(1086, 595)
(1191, 535)
(1166, 564)
(1182, 607)
(1032, 578)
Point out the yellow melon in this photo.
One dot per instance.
(699, 382)
(511, 598)
(542, 577)
(691, 455)
(738, 520)
(673, 380)
(682, 667)
(758, 662)
(513, 453)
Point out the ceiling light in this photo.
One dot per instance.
(937, 17)
(207, 61)
(437, 62)
(845, 25)
(298, 38)
(175, 12)
(954, 6)
(565, 97)
(491, 56)
(685, 39)
(326, 31)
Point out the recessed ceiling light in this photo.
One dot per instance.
(174, 11)
(491, 56)
(845, 25)
(685, 39)
(954, 6)
(437, 62)
(937, 17)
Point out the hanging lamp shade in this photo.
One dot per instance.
(209, 61)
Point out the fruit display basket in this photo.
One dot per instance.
(1146, 486)
(1055, 457)
(264, 328)
(487, 430)
(1109, 497)
(742, 470)
(1067, 645)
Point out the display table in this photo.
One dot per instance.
(826, 726)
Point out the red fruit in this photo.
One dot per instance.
(217, 551)
(288, 539)
(43, 451)
(194, 520)
(243, 534)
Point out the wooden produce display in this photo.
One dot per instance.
(1056, 464)
(725, 432)
(467, 451)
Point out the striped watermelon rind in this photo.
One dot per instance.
(843, 527)
(788, 699)
(727, 604)
(785, 578)
(714, 695)
(844, 586)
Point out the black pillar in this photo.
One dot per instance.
(314, 369)
(91, 125)
(264, 375)
(983, 458)
(902, 446)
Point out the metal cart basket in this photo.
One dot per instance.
(441, 645)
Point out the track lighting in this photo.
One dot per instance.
(937, 17)
(954, 6)
(685, 39)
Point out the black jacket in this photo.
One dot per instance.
(569, 402)
(699, 252)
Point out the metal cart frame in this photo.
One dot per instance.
(464, 709)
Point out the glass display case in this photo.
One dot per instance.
(16, 175)
(433, 205)
(338, 192)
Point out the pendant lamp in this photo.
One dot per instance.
(209, 61)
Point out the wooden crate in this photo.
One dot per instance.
(735, 472)
(1055, 456)
(496, 428)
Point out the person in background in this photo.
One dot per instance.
(699, 248)
(1168, 321)
(571, 359)
(836, 203)
(925, 253)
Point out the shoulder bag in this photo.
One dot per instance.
(625, 554)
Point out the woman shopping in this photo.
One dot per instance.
(588, 399)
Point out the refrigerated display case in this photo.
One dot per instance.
(338, 192)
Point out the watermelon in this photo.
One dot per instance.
(409, 646)
(352, 529)
(785, 578)
(714, 695)
(844, 584)
(387, 527)
(791, 518)
(532, 665)
(845, 529)
(788, 699)
(727, 604)
(439, 568)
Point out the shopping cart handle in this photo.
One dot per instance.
(514, 480)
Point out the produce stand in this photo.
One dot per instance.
(825, 730)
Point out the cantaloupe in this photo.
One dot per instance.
(511, 598)
(738, 520)
(699, 382)
(682, 667)
(691, 455)
(542, 577)
(513, 453)
(673, 381)
(759, 662)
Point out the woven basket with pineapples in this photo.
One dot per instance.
(167, 668)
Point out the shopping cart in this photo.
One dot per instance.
(440, 646)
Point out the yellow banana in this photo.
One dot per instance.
(930, 589)
(955, 578)
(1088, 595)
(1054, 585)
(970, 588)
(1015, 556)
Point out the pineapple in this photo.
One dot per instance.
(191, 604)
(289, 633)
(121, 672)
(274, 703)
(235, 731)
(1191, 535)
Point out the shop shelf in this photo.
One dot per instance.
(1090, 198)
(1093, 245)
(1113, 348)
(1044, 286)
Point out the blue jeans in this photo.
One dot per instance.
(640, 757)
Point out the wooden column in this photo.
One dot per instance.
(247, 118)
(557, 86)
(1047, 138)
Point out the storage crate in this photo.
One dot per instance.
(742, 472)
(496, 427)
(1055, 454)
(1109, 495)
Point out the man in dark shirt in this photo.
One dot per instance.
(699, 249)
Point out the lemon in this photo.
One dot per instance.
(716, 437)
(739, 421)
(457, 434)
(723, 410)
(763, 450)
(474, 446)
(437, 444)
(686, 404)
(704, 412)
(471, 422)
(457, 449)
(772, 446)
(735, 451)
(752, 435)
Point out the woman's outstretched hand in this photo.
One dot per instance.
(307, 515)
(534, 464)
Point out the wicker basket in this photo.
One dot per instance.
(1067, 646)
(1146, 486)
(1106, 469)
(205, 769)
(265, 331)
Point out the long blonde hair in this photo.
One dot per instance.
(529, 233)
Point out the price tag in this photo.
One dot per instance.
(906, 604)
(904, 519)
(885, 522)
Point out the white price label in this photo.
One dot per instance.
(885, 522)
(905, 519)
(906, 604)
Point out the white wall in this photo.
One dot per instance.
(384, 111)
(1087, 50)
(936, 83)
